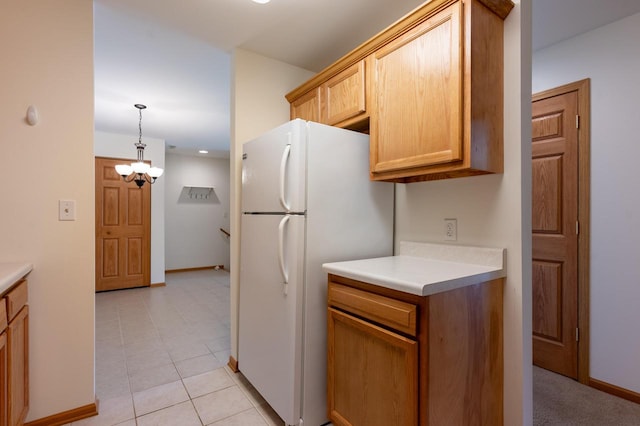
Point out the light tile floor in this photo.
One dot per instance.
(161, 356)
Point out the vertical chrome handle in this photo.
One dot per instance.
(283, 174)
(283, 268)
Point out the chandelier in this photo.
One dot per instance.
(139, 172)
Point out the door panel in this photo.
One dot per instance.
(123, 230)
(429, 55)
(270, 316)
(372, 373)
(555, 239)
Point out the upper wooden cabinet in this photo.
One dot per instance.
(432, 92)
(418, 124)
(343, 97)
(307, 106)
(339, 101)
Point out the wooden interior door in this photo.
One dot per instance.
(555, 233)
(123, 229)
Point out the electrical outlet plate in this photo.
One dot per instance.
(450, 229)
(66, 210)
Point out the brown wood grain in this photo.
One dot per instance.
(460, 353)
(466, 356)
(393, 31)
(343, 96)
(417, 118)
(307, 106)
(396, 314)
(18, 367)
(4, 379)
(123, 229)
(582, 89)
(425, 121)
(3, 314)
(554, 150)
(627, 394)
(233, 364)
(16, 299)
(373, 374)
(67, 417)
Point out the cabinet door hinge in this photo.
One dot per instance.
(577, 227)
(577, 334)
(577, 121)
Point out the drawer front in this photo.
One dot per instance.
(393, 313)
(3, 314)
(16, 299)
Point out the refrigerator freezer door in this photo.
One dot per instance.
(270, 315)
(273, 170)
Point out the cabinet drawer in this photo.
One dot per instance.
(393, 313)
(16, 299)
(3, 314)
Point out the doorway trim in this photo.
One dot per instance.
(582, 88)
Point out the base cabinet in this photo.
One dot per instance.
(14, 356)
(4, 381)
(395, 358)
(373, 374)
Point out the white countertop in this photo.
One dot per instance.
(11, 272)
(425, 269)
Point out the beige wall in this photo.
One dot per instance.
(493, 210)
(47, 61)
(257, 105)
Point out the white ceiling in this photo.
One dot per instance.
(175, 56)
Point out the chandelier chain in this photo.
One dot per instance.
(140, 126)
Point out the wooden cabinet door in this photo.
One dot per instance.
(4, 380)
(372, 374)
(417, 116)
(18, 367)
(307, 107)
(123, 229)
(343, 96)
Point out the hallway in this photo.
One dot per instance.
(161, 356)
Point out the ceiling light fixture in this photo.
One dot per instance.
(203, 151)
(139, 172)
(261, 1)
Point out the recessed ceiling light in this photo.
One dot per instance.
(203, 151)
(261, 1)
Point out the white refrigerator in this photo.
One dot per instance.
(306, 200)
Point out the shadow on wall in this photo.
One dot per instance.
(198, 195)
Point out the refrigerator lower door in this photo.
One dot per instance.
(270, 313)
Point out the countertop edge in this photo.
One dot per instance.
(11, 273)
(419, 290)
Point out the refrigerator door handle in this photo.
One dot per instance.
(283, 173)
(283, 269)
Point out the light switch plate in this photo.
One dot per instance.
(66, 210)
